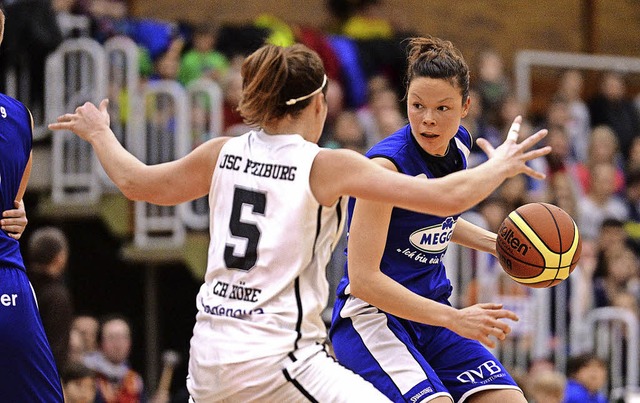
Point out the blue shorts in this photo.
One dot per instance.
(28, 372)
(411, 362)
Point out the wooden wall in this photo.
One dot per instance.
(507, 25)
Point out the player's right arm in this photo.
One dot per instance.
(163, 184)
(367, 239)
(344, 172)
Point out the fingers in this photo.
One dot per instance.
(489, 305)
(533, 139)
(103, 105)
(485, 146)
(12, 230)
(487, 342)
(514, 131)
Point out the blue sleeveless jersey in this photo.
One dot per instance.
(15, 147)
(27, 369)
(413, 253)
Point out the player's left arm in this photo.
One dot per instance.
(474, 237)
(15, 221)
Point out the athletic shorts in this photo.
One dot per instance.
(411, 362)
(306, 375)
(28, 372)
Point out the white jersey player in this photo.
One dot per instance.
(276, 204)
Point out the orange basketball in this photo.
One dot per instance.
(538, 245)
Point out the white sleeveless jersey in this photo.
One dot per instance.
(265, 285)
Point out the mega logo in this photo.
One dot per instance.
(434, 239)
(485, 371)
(509, 238)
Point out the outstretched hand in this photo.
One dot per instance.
(86, 121)
(14, 221)
(514, 155)
(482, 321)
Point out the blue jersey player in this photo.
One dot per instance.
(27, 370)
(392, 322)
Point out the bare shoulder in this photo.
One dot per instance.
(329, 158)
(205, 156)
(329, 171)
(211, 148)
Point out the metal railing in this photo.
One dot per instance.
(75, 73)
(157, 122)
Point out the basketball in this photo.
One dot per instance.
(538, 245)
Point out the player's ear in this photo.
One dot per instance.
(465, 106)
(319, 103)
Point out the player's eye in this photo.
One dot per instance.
(443, 108)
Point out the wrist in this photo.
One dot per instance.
(445, 316)
(100, 134)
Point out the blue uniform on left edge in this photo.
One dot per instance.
(410, 361)
(27, 370)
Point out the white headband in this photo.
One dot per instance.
(293, 101)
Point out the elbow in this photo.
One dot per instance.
(355, 289)
(358, 288)
(453, 204)
(130, 190)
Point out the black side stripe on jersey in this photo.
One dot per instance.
(299, 387)
(339, 212)
(299, 305)
(318, 225)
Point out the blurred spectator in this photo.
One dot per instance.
(116, 380)
(587, 375)
(367, 45)
(612, 241)
(476, 123)
(603, 148)
(87, 327)
(570, 90)
(233, 123)
(348, 133)
(167, 64)
(546, 387)
(633, 159)
(621, 276)
(632, 198)
(381, 115)
(280, 33)
(30, 35)
(600, 201)
(562, 191)
(76, 347)
(78, 383)
(108, 17)
(48, 253)
(70, 22)
(492, 84)
(514, 193)
(367, 20)
(612, 107)
(202, 59)
(335, 105)
(559, 159)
